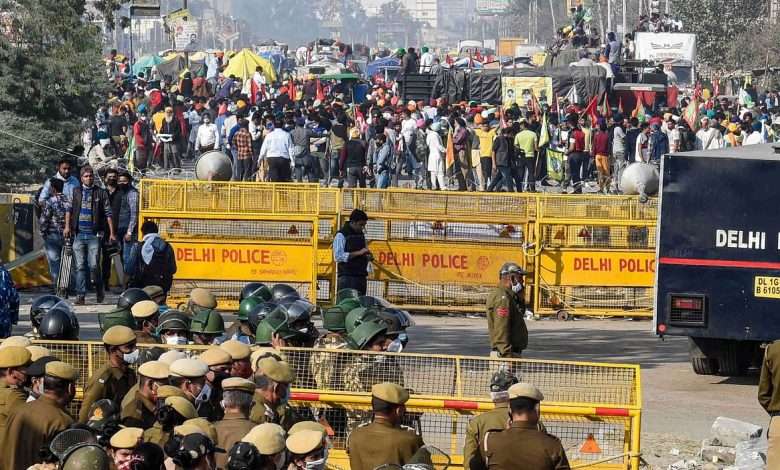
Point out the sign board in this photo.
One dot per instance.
(145, 8)
(663, 47)
(184, 28)
(434, 263)
(243, 262)
(598, 268)
(521, 90)
(492, 7)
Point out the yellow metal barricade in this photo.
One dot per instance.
(441, 250)
(596, 257)
(225, 234)
(594, 408)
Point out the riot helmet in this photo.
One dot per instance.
(118, 316)
(358, 316)
(246, 305)
(256, 289)
(284, 291)
(173, 327)
(396, 321)
(333, 319)
(371, 301)
(344, 294)
(40, 306)
(207, 325)
(348, 304)
(130, 297)
(264, 333)
(60, 323)
(90, 456)
(366, 332)
(259, 312)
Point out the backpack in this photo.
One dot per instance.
(156, 273)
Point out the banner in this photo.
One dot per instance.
(184, 28)
(521, 90)
(598, 268)
(555, 165)
(663, 47)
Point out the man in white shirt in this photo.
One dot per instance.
(618, 152)
(673, 134)
(709, 136)
(278, 150)
(208, 137)
(426, 61)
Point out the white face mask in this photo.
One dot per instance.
(516, 288)
(204, 395)
(317, 464)
(396, 346)
(130, 358)
(175, 340)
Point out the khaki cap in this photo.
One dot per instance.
(14, 356)
(187, 429)
(305, 441)
(268, 438)
(154, 370)
(189, 368)
(525, 390)
(306, 426)
(16, 341)
(61, 370)
(262, 352)
(183, 406)
(238, 383)
(278, 371)
(167, 391)
(169, 357)
(118, 335)
(206, 428)
(203, 298)
(126, 438)
(37, 352)
(390, 392)
(153, 291)
(236, 349)
(145, 309)
(215, 356)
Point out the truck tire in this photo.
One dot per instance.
(730, 362)
(704, 366)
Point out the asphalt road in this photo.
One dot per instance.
(677, 402)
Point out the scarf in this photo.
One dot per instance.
(147, 250)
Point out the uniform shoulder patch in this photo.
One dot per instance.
(502, 311)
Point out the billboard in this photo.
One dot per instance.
(492, 7)
(666, 47)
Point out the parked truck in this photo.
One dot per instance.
(718, 255)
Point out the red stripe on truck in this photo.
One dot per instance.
(719, 263)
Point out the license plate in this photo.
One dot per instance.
(767, 287)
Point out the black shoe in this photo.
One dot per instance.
(80, 300)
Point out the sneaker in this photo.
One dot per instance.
(80, 300)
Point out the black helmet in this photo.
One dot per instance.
(259, 312)
(131, 297)
(299, 309)
(396, 320)
(256, 289)
(371, 301)
(40, 306)
(502, 380)
(59, 322)
(284, 291)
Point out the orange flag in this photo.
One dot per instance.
(450, 150)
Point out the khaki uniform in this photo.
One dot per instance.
(508, 333)
(283, 415)
(10, 398)
(231, 429)
(107, 382)
(157, 435)
(29, 427)
(364, 372)
(238, 328)
(496, 419)
(326, 368)
(138, 412)
(769, 398)
(522, 447)
(145, 338)
(379, 442)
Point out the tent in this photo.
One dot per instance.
(243, 65)
(380, 65)
(280, 62)
(146, 62)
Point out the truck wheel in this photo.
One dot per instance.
(735, 358)
(704, 365)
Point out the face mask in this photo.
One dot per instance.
(175, 340)
(396, 346)
(516, 288)
(316, 464)
(204, 395)
(130, 358)
(123, 186)
(219, 376)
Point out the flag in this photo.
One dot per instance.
(691, 114)
(620, 105)
(535, 106)
(555, 165)
(639, 111)
(544, 137)
(590, 110)
(572, 97)
(130, 155)
(320, 93)
(291, 90)
(605, 110)
(253, 90)
(450, 151)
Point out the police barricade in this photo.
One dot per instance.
(441, 251)
(21, 245)
(225, 234)
(594, 408)
(596, 256)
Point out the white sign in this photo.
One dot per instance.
(185, 35)
(662, 47)
(492, 7)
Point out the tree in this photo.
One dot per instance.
(50, 69)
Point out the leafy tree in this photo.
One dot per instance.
(50, 67)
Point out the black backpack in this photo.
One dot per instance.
(156, 272)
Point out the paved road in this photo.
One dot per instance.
(676, 401)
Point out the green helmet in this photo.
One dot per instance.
(264, 333)
(256, 289)
(344, 294)
(349, 304)
(357, 316)
(279, 322)
(333, 319)
(86, 457)
(208, 322)
(246, 306)
(367, 331)
(118, 316)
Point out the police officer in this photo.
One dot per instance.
(505, 311)
(496, 419)
(273, 380)
(522, 445)
(83, 456)
(116, 378)
(237, 398)
(34, 424)
(308, 450)
(324, 365)
(196, 452)
(13, 361)
(190, 376)
(174, 328)
(262, 448)
(384, 440)
(241, 329)
(200, 300)
(122, 444)
(139, 410)
(769, 399)
(206, 326)
(174, 410)
(147, 316)
(218, 361)
(35, 373)
(350, 252)
(240, 358)
(157, 294)
(37, 352)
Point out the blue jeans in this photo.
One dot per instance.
(125, 247)
(383, 179)
(86, 251)
(52, 243)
